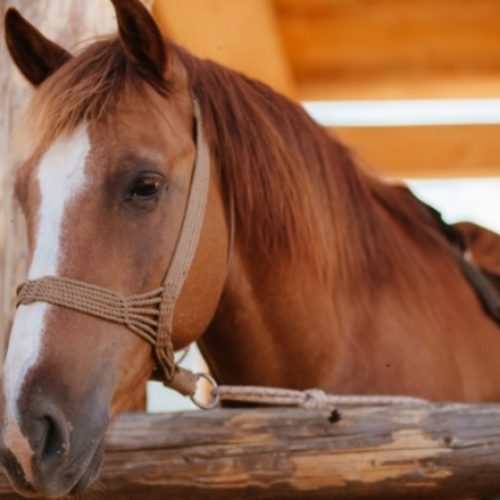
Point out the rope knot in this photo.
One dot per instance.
(315, 399)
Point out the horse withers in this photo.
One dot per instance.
(308, 272)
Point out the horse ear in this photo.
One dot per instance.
(35, 56)
(141, 38)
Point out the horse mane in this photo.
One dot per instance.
(297, 191)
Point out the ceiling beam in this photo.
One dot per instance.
(426, 151)
(368, 49)
(427, 86)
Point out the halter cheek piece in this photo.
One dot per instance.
(149, 315)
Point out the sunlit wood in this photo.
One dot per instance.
(427, 151)
(241, 34)
(384, 452)
(392, 48)
(392, 87)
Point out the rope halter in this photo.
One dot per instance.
(149, 315)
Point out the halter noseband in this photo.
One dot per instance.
(149, 315)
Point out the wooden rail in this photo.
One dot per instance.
(435, 451)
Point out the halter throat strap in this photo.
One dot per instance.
(149, 315)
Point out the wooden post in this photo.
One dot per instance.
(429, 451)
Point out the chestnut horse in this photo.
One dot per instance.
(334, 279)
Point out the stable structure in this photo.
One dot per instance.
(314, 50)
(423, 451)
(363, 50)
(347, 49)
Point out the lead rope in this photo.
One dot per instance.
(311, 399)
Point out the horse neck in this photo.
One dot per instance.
(318, 243)
(281, 323)
(288, 323)
(279, 313)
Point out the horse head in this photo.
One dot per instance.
(106, 158)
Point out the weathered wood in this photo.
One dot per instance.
(435, 451)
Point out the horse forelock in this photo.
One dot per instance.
(86, 89)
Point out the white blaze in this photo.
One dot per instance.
(60, 175)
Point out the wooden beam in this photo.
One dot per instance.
(386, 86)
(240, 34)
(362, 49)
(428, 451)
(427, 151)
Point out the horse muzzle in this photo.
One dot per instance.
(43, 456)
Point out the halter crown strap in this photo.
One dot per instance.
(149, 315)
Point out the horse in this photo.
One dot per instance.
(309, 271)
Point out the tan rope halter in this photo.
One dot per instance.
(149, 315)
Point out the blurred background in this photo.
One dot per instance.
(413, 86)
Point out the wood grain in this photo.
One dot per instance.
(398, 47)
(434, 451)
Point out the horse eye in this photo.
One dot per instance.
(145, 187)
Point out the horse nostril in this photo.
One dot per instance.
(50, 440)
(51, 444)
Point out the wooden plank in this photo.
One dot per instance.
(384, 44)
(428, 451)
(381, 35)
(427, 151)
(240, 34)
